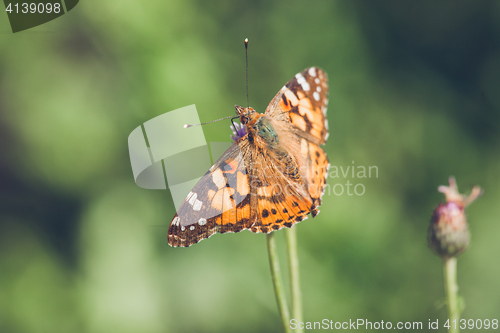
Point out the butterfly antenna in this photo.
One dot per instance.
(246, 58)
(213, 121)
(248, 102)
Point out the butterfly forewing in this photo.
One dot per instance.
(303, 102)
(215, 201)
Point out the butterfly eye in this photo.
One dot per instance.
(244, 120)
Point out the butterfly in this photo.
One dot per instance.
(270, 178)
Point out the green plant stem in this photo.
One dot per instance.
(293, 267)
(278, 281)
(451, 291)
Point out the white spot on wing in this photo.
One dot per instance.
(316, 95)
(189, 195)
(316, 80)
(193, 198)
(176, 221)
(183, 228)
(306, 86)
(202, 221)
(197, 205)
(318, 89)
(219, 179)
(312, 71)
(302, 81)
(191, 227)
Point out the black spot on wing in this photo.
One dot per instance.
(285, 101)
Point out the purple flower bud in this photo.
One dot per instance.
(239, 131)
(448, 233)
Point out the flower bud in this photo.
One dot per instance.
(448, 233)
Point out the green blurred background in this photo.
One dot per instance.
(414, 90)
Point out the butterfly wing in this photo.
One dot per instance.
(303, 102)
(277, 196)
(220, 200)
(316, 170)
(245, 189)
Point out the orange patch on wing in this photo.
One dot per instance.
(242, 183)
(222, 200)
(297, 205)
(285, 107)
(303, 147)
(229, 215)
(316, 132)
(227, 201)
(318, 171)
(217, 200)
(265, 191)
(298, 121)
(243, 212)
(211, 194)
(285, 213)
(218, 220)
(316, 117)
(305, 103)
(268, 212)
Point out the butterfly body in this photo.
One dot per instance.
(270, 178)
(262, 130)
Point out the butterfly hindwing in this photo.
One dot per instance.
(278, 199)
(317, 170)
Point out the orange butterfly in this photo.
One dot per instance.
(270, 178)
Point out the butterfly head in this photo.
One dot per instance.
(248, 116)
